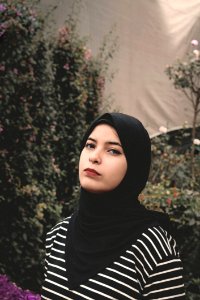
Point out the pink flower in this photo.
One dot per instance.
(141, 197)
(169, 201)
(2, 68)
(66, 67)
(63, 34)
(88, 54)
(101, 82)
(194, 43)
(1, 129)
(32, 138)
(33, 12)
(18, 13)
(3, 28)
(2, 7)
(63, 30)
(163, 129)
(15, 71)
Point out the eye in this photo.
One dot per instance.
(114, 152)
(89, 145)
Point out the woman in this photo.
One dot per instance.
(112, 247)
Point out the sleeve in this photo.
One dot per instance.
(47, 253)
(165, 281)
(48, 245)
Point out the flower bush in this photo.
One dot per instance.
(10, 291)
(171, 155)
(27, 177)
(78, 88)
(184, 171)
(185, 77)
(51, 88)
(170, 190)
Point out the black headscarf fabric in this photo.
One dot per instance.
(106, 224)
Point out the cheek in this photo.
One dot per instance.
(118, 170)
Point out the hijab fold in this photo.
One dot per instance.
(107, 224)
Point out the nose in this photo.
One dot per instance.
(95, 157)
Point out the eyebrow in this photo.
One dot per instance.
(108, 142)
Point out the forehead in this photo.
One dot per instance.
(104, 131)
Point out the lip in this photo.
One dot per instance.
(91, 172)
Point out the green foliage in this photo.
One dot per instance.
(185, 73)
(51, 89)
(171, 155)
(79, 93)
(27, 109)
(170, 189)
(185, 77)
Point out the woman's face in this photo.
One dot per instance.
(102, 164)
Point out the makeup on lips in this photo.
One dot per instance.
(91, 172)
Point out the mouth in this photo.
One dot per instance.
(91, 172)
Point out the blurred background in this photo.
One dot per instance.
(150, 36)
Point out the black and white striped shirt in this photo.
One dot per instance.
(149, 269)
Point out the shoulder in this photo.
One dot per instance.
(153, 252)
(162, 263)
(59, 229)
(64, 223)
(156, 245)
(160, 239)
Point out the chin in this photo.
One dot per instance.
(92, 189)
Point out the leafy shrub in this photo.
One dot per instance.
(185, 77)
(172, 189)
(51, 88)
(78, 92)
(171, 155)
(27, 176)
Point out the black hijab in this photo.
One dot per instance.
(107, 224)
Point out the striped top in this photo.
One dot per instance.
(149, 269)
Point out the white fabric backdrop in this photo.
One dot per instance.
(152, 34)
